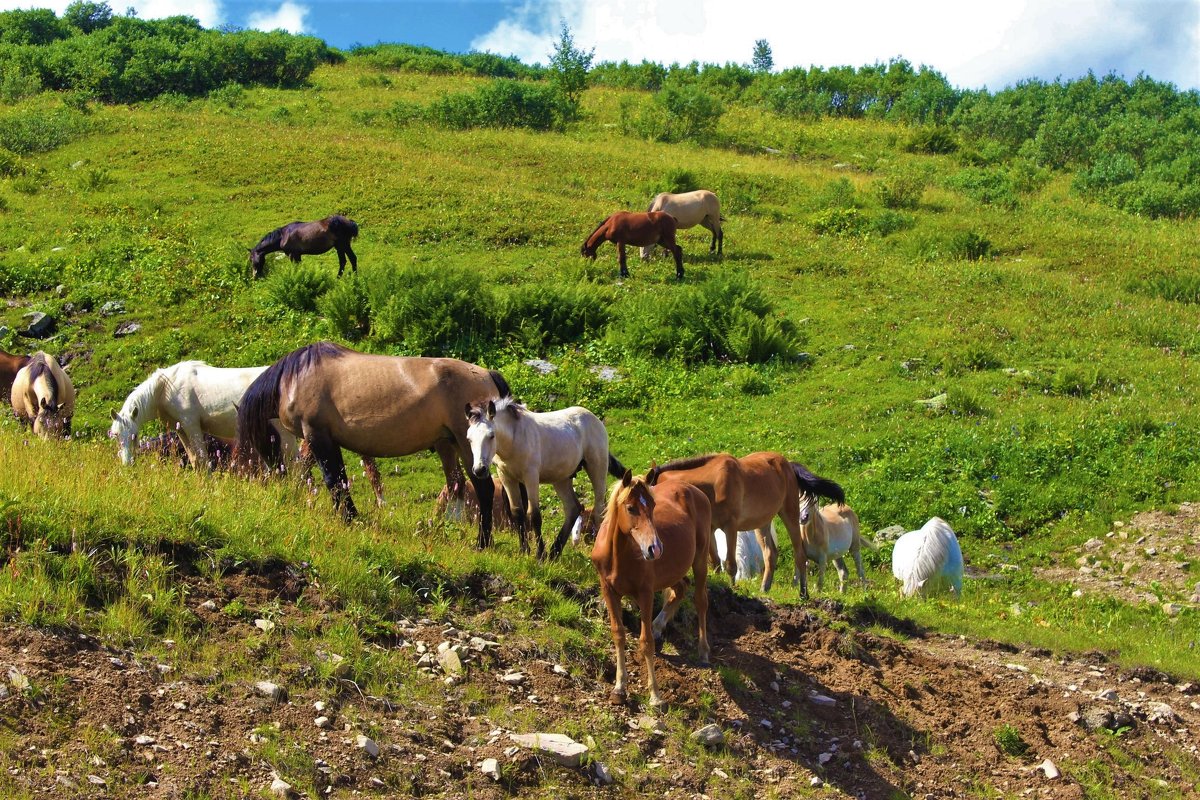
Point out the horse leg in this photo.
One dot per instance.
(615, 626)
(485, 492)
(840, 564)
(770, 555)
(193, 444)
(295, 257)
(372, 470)
(341, 262)
(571, 510)
(856, 552)
(672, 599)
(621, 257)
(678, 252)
(790, 513)
(353, 258)
(333, 469)
(535, 513)
(700, 600)
(646, 607)
(646, 252)
(516, 506)
(822, 560)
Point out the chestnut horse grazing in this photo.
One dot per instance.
(42, 396)
(746, 494)
(637, 229)
(333, 397)
(689, 209)
(9, 366)
(309, 239)
(649, 539)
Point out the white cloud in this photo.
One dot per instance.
(289, 17)
(972, 44)
(207, 11)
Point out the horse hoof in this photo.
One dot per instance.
(617, 698)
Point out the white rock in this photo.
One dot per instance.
(1160, 712)
(1108, 694)
(556, 746)
(209, 605)
(322, 722)
(18, 680)
(821, 700)
(450, 662)
(368, 745)
(710, 735)
(559, 669)
(96, 780)
(319, 706)
(1047, 767)
(824, 758)
(513, 678)
(720, 773)
(603, 775)
(280, 787)
(491, 768)
(264, 625)
(271, 690)
(143, 740)
(1172, 609)
(815, 782)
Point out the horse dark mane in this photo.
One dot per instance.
(260, 404)
(812, 484)
(37, 368)
(271, 240)
(587, 242)
(501, 384)
(678, 464)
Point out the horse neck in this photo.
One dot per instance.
(597, 236)
(145, 399)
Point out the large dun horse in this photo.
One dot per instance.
(531, 448)
(42, 396)
(689, 209)
(333, 397)
(746, 494)
(649, 539)
(637, 229)
(309, 238)
(10, 364)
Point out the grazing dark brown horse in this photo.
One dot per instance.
(9, 366)
(640, 229)
(333, 397)
(649, 539)
(746, 494)
(309, 239)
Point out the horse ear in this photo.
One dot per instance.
(467, 411)
(114, 415)
(44, 405)
(627, 478)
(491, 409)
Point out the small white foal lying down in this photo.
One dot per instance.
(929, 560)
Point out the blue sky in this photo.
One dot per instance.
(975, 43)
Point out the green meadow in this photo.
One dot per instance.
(1023, 369)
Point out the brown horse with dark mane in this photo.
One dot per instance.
(309, 239)
(746, 494)
(10, 364)
(649, 539)
(333, 397)
(640, 229)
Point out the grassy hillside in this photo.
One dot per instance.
(1053, 337)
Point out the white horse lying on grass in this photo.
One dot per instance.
(929, 560)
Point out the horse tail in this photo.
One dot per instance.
(501, 384)
(259, 405)
(815, 485)
(615, 467)
(343, 226)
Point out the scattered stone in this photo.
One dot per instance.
(126, 329)
(935, 403)
(1077, 593)
(815, 782)
(513, 678)
(491, 768)
(540, 366)
(1107, 694)
(377, 783)
(271, 690)
(143, 740)
(766, 723)
(1049, 770)
(96, 780)
(367, 744)
(1093, 544)
(18, 680)
(209, 605)
(603, 775)
(450, 662)
(720, 773)
(821, 701)
(710, 735)
(890, 534)
(559, 669)
(775, 686)
(1160, 713)
(322, 722)
(1151, 551)
(4, 331)
(264, 625)
(40, 325)
(180, 706)
(280, 787)
(1095, 718)
(824, 758)
(562, 749)
(320, 706)
(112, 307)
(1172, 609)
(479, 644)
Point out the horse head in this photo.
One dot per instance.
(124, 429)
(257, 258)
(633, 512)
(481, 435)
(807, 502)
(588, 252)
(49, 420)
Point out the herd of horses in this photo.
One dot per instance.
(324, 398)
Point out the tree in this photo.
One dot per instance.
(762, 61)
(569, 67)
(87, 16)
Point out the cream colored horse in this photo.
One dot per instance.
(191, 398)
(829, 533)
(689, 209)
(42, 396)
(530, 449)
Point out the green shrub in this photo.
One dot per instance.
(10, 163)
(900, 190)
(837, 193)
(675, 114)
(1179, 288)
(837, 222)
(431, 310)
(231, 95)
(989, 185)
(40, 131)
(677, 181)
(298, 286)
(1009, 740)
(932, 140)
(887, 222)
(501, 104)
(748, 380)
(537, 317)
(347, 308)
(970, 246)
(17, 82)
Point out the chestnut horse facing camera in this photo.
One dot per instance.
(639, 229)
(649, 539)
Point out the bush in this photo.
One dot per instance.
(1009, 741)
(10, 163)
(887, 222)
(537, 317)
(347, 308)
(1179, 288)
(900, 190)
(676, 114)
(838, 193)
(18, 82)
(502, 104)
(970, 246)
(298, 286)
(991, 186)
(837, 222)
(932, 141)
(39, 131)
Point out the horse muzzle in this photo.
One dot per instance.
(480, 472)
(653, 551)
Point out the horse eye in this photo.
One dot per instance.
(631, 508)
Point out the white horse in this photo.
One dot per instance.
(749, 553)
(42, 396)
(689, 209)
(530, 448)
(194, 399)
(830, 533)
(928, 560)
